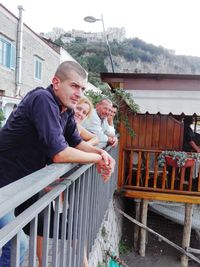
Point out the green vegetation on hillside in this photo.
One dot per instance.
(93, 54)
(131, 55)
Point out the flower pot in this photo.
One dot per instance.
(173, 162)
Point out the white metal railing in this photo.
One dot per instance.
(85, 199)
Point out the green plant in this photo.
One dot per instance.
(123, 249)
(2, 117)
(101, 264)
(179, 156)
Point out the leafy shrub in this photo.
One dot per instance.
(2, 117)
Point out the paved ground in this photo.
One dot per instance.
(158, 253)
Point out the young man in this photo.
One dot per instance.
(110, 119)
(97, 123)
(34, 133)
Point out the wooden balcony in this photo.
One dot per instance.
(141, 177)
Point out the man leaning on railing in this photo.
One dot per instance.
(33, 134)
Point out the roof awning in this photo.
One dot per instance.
(165, 102)
(160, 93)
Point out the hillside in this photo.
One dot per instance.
(131, 55)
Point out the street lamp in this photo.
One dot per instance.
(91, 19)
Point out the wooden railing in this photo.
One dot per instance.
(142, 177)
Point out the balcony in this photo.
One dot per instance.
(143, 178)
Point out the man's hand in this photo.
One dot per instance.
(113, 141)
(106, 167)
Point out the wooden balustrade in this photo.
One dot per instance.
(141, 173)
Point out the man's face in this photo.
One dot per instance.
(104, 109)
(113, 112)
(70, 90)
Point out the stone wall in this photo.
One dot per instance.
(108, 237)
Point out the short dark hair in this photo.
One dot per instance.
(115, 106)
(188, 120)
(64, 69)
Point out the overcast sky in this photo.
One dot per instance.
(173, 24)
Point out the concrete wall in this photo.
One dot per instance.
(108, 237)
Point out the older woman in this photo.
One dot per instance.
(82, 111)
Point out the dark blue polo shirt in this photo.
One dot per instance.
(34, 133)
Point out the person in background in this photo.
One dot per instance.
(83, 110)
(98, 124)
(111, 127)
(34, 133)
(189, 143)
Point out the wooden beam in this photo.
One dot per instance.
(161, 196)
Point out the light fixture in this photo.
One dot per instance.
(92, 19)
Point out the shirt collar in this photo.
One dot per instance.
(50, 89)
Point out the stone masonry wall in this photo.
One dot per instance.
(108, 237)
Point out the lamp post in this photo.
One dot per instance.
(91, 19)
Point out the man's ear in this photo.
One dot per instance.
(55, 82)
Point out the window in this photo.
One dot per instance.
(7, 53)
(38, 68)
(2, 92)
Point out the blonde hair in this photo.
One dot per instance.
(85, 100)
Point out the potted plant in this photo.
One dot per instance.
(177, 158)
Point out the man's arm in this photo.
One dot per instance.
(71, 155)
(109, 130)
(105, 163)
(87, 136)
(84, 146)
(194, 146)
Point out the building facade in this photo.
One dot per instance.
(27, 60)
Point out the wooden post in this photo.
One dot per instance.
(136, 228)
(143, 231)
(186, 232)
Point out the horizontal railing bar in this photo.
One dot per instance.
(76, 174)
(26, 216)
(33, 183)
(141, 149)
(29, 186)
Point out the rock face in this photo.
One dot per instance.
(162, 64)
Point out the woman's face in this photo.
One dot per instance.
(81, 112)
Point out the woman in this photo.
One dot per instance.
(82, 111)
